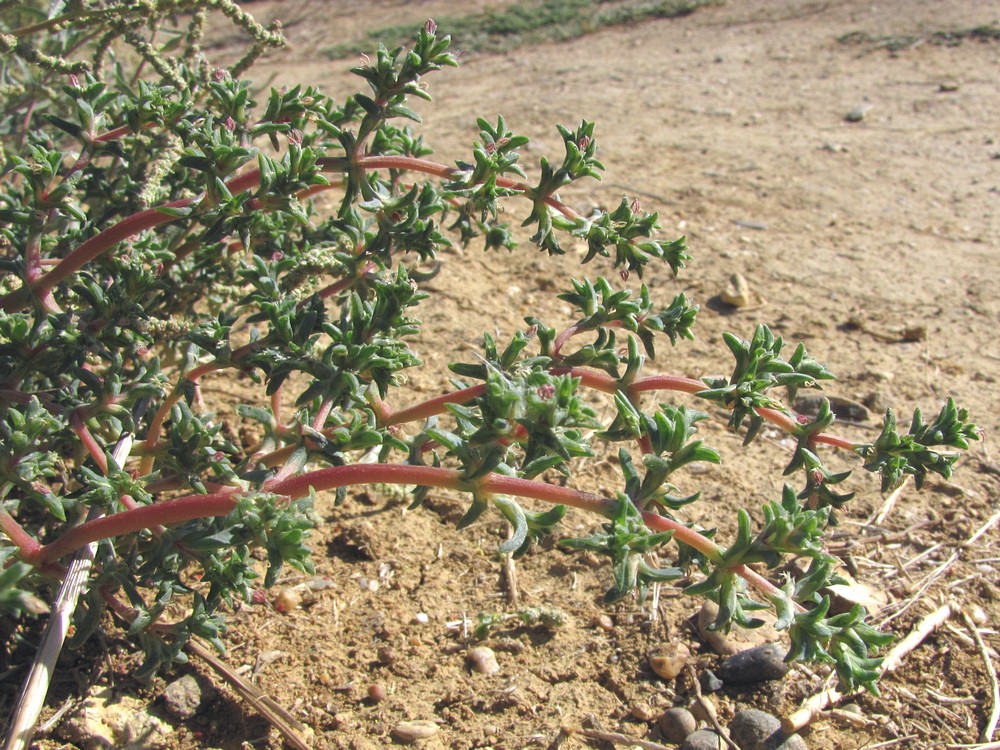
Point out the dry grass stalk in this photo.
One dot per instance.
(991, 725)
(289, 727)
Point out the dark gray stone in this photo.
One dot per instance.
(182, 697)
(752, 729)
(757, 664)
(703, 739)
(709, 682)
(676, 724)
(757, 730)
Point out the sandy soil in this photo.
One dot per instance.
(730, 123)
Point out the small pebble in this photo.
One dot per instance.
(669, 659)
(642, 712)
(978, 615)
(676, 724)
(709, 682)
(757, 730)
(376, 692)
(755, 665)
(858, 113)
(414, 731)
(287, 600)
(603, 622)
(421, 618)
(182, 697)
(752, 729)
(483, 660)
(703, 739)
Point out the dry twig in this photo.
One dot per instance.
(991, 673)
(709, 710)
(289, 727)
(622, 739)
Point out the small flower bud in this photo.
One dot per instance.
(583, 143)
(635, 206)
(430, 26)
(219, 74)
(624, 274)
(295, 137)
(546, 391)
(277, 255)
(74, 81)
(229, 124)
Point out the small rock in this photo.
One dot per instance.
(753, 730)
(182, 697)
(978, 615)
(287, 600)
(842, 408)
(755, 665)
(858, 113)
(414, 731)
(376, 692)
(676, 724)
(669, 659)
(738, 293)
(792, 742)
(483, 660)
(421, 618)
(603, 622)
(709, 682)
(703, 739)
(738, 639)
(122, 723)
(642, 711)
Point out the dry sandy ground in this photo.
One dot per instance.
(730, 123)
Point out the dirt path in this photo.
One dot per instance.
(875, 242)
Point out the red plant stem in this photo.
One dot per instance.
(132, 225)
(712, 551)
(25, 543)
(574, 329)
(433, 406)
(92, 446)
(321, 414)
(221, 503)
(444, 171)
(690, 537)
(343, 284)
(179, 510)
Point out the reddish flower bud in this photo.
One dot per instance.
(430, 26)
(295, 137)
(229, 124)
